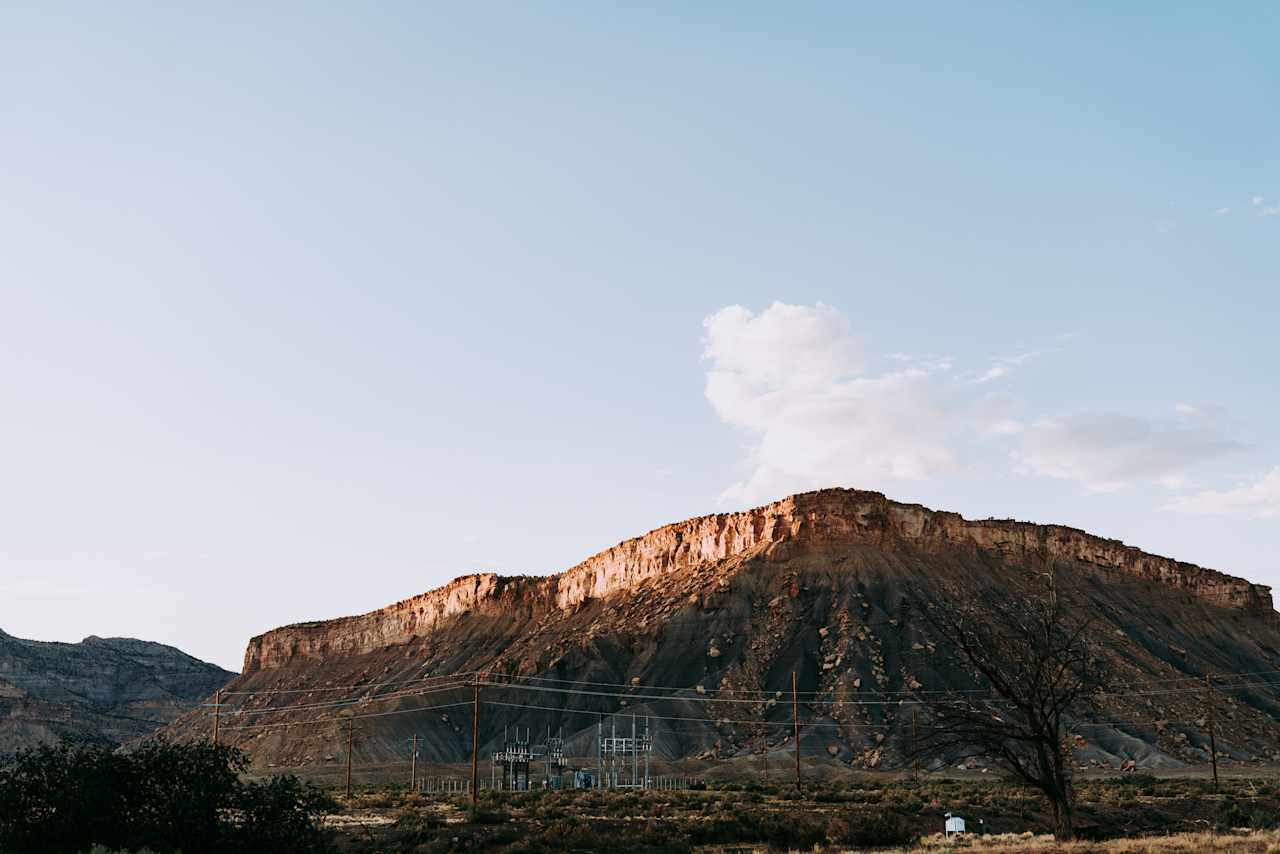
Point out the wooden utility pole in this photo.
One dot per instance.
(350, 742)
(915, 754)
(413, 764)
(1213, 744)
(795, 717)
(217, 711)
(475, 739)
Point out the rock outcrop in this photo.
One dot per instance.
(810, 521)
(99, 691)
(686, 621)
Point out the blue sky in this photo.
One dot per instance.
(309, 309)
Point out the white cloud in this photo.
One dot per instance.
(792, 377)
(1260, 499)
(1269, 211)
(1222, 211)
(1005, 427)
(1110, 451)
(994, 372)
(1003, 367)
(785, 344)
(1256, 200)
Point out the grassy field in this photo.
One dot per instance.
(1129, 814)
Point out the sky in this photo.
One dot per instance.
(308, 308)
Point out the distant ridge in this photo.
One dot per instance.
(99, 691)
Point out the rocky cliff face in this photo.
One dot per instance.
(100, 691)
(801, 523)
(707, 611)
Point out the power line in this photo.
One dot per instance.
(350, 701)
(312, 721)
(990, 700)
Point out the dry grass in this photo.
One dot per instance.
(1183, 843)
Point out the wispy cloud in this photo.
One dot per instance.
(793, 377)
(1256, 201)
(1259, 500)
(1222, 211)
(1270, 211)
(1106, 451)
(1004, 366)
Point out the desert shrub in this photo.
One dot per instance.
(379, 800)
(1136, 780)
(828, 797)
(485, 814)
(786, 831)
(505, 835)
(876, 830)
(414, 827)
(550, 810)
(578, 837)
(1232, 815)
(165, 797)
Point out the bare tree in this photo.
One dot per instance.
(1038, 668)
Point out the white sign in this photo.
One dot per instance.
(954, 825)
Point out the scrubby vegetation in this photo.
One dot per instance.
(161, 797)
(854, 815)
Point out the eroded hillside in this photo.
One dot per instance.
(99, 691)
(701, 624)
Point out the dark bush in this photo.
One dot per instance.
(792, 830)
(878, 830)
(1232, 816)
(415, 827)
(1135, 780)
(164, 797)
(485, 815)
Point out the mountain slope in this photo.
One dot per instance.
(725, 608)
(100, 691)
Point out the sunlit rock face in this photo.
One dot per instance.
(800, 524)
(826, 584)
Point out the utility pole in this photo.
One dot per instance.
(915, 754)
(795, 717)
(1213, 744)
(766, 753)
(350, 742)
(475, 738)
(217, 711)
(413, 764)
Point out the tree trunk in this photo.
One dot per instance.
(1063, 823)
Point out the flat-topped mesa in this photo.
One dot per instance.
(833, 517)
(811, 520)
(394, 624)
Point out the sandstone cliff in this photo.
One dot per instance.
(810, 521)
(823, 585)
